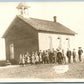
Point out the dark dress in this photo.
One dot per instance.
(51, 54)
(44, 57)
(59, 57)
(69, 56)
(74, 56)
(80, 53)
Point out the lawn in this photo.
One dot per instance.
(42, 71)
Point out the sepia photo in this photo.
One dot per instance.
(42, 41)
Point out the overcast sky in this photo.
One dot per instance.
(70, 14)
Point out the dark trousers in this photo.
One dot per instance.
(80, 58)
(74, 59)
(50, 59)
(69, 59)
(64, 60)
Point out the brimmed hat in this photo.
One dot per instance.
(79, 47)
(57, 49)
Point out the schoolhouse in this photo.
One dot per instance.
(31, 34)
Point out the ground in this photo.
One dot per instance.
(42, 71)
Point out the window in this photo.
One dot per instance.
(59, 42)
(50, 43)
(68, 42)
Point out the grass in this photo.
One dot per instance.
(42, 71)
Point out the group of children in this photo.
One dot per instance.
(44, 57)
(48, 56)
(34, 58)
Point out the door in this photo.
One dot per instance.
(11, 51)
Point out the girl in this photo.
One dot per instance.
(28, 58)
(20, 61)
(33, 58)
(40, 56)
(37, 58)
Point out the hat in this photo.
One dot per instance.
(57, 49)
(73, 48)
(79, 47)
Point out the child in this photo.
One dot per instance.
(28, 58)
(23, 60)
(40, 56)
(37, 58)
(33, 58)
(20, 61)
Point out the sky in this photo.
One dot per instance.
(70, 14)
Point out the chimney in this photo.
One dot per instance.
(55, 19)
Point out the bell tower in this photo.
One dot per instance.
(23, 9)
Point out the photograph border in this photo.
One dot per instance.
(41, 82)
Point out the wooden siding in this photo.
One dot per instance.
(24, 38)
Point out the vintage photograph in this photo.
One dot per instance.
(42, 41)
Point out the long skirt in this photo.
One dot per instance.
(33, 60)
(37, 60)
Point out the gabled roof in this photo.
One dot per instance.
(50, 26)
(45, 26)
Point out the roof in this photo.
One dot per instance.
(48, 26)
(45, 26)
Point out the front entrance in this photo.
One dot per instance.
(11, 51)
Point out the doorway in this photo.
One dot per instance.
(11, 51)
